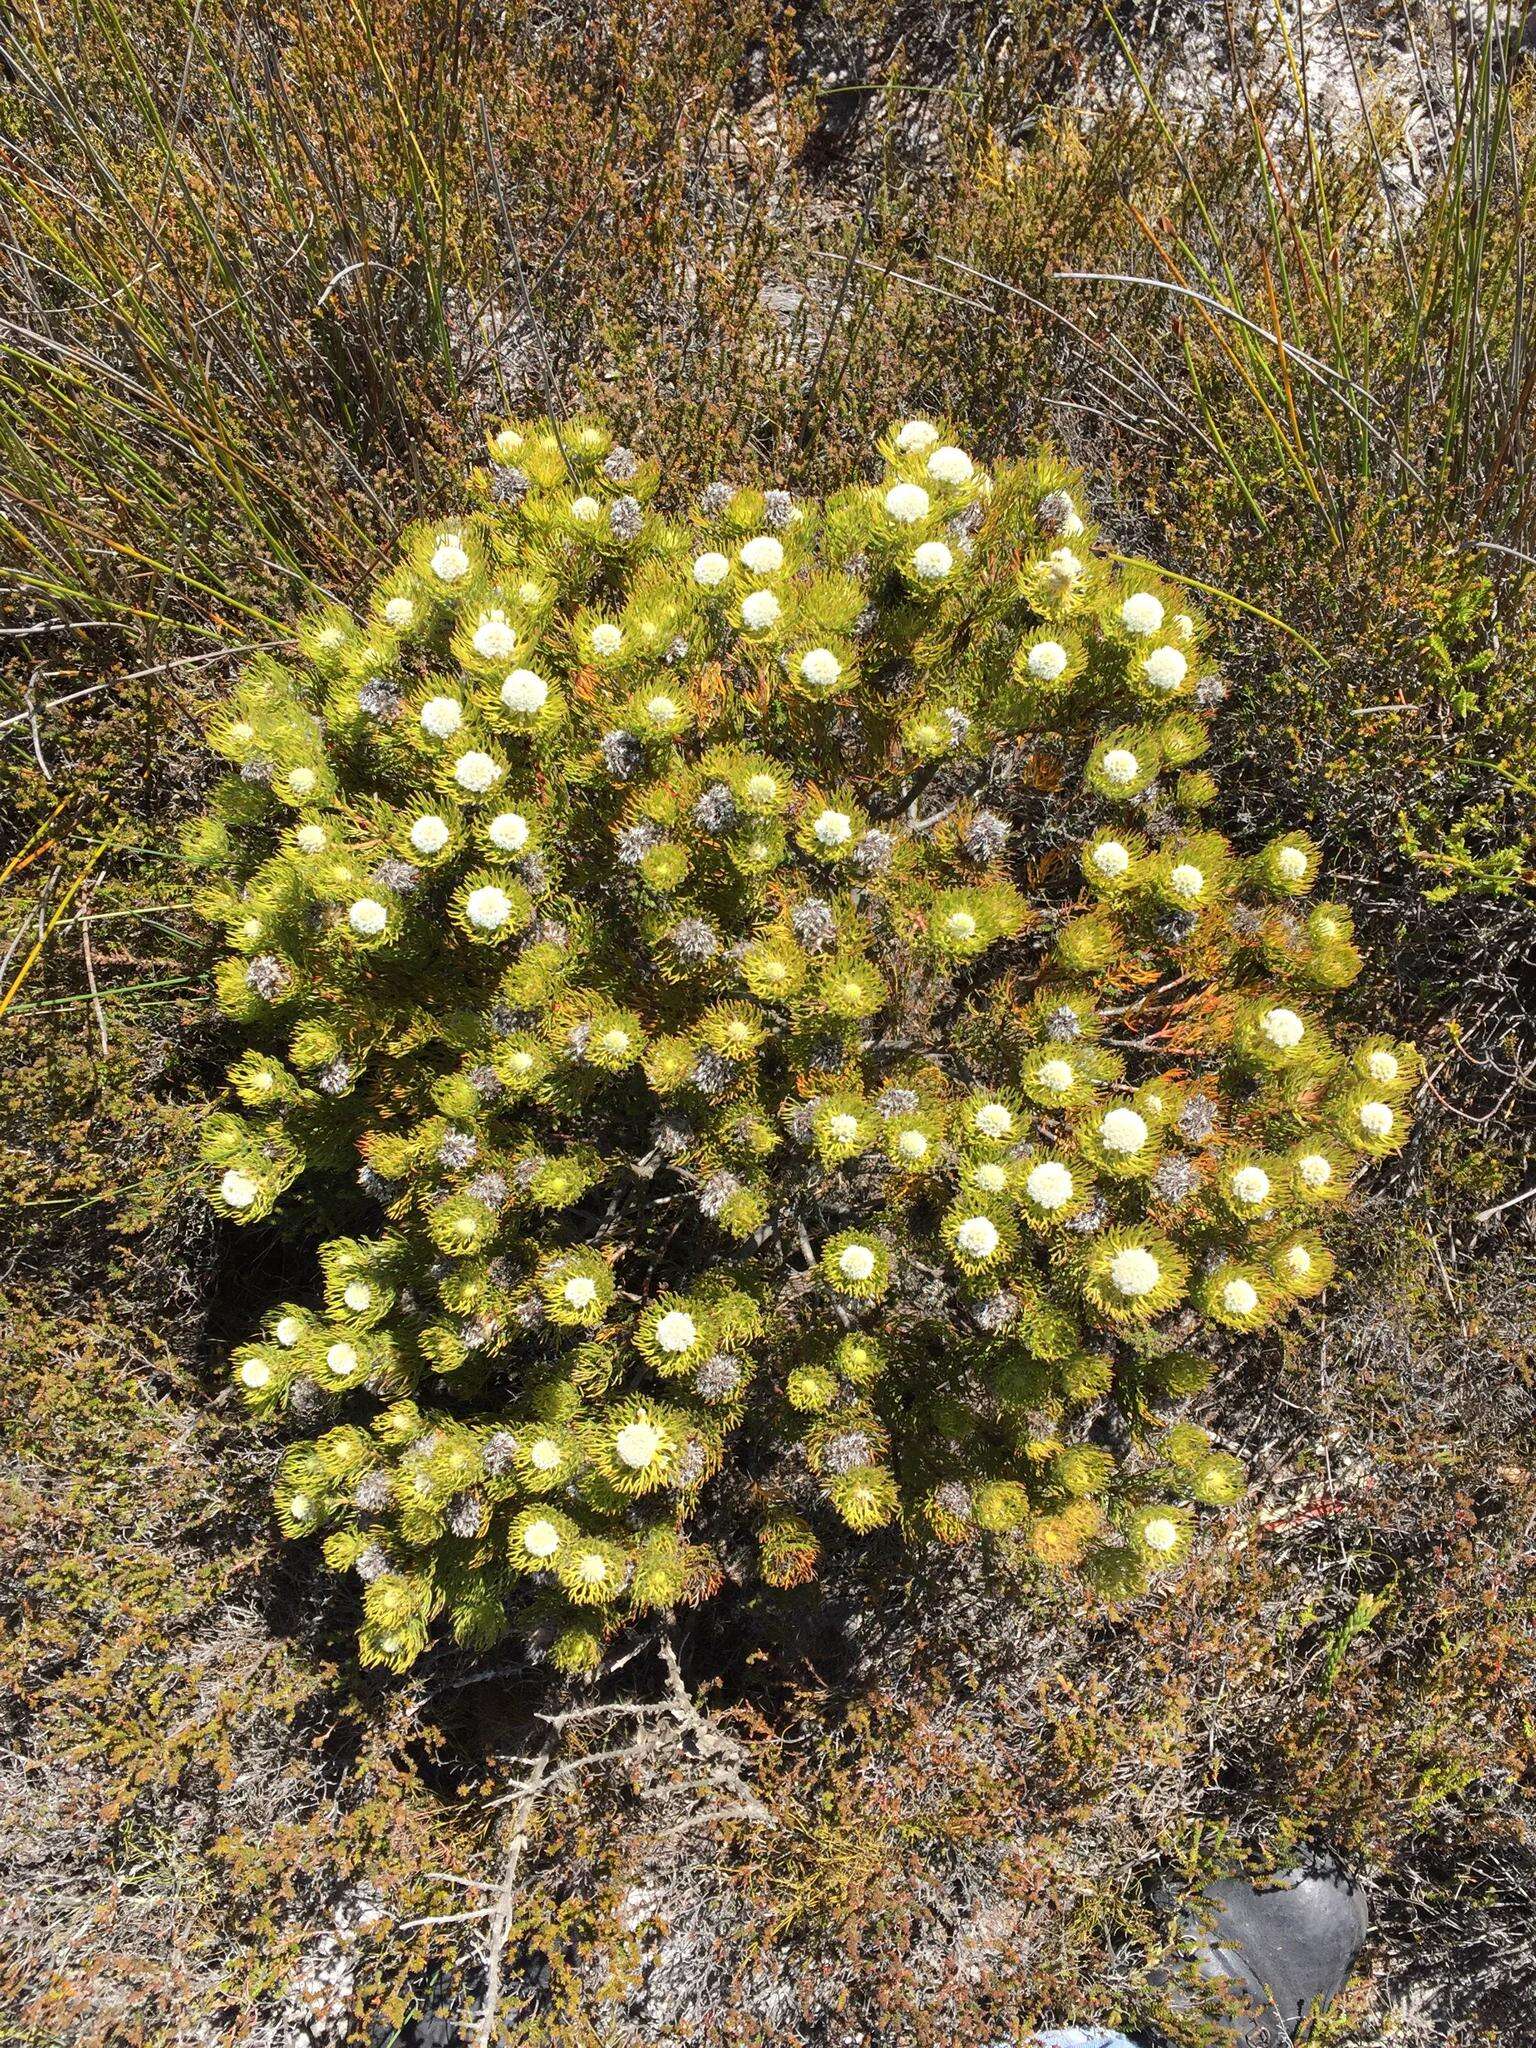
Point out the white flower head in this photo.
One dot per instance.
(1183, 627)
(662, 710)
(494, 639)
(1062, 570)
(1056, 1075)
(991, 1178)
(341, 1359)
(301, 780)
(977, 1237)
(255, 1374)
(948, 465)
(907, 504)
(1046, 660)
(476, 772)
(288, 1330)
(1239, 1297)
(762, 555)
(488, 908)
(1165, 668)
(1298, 1261)
(1291, 862)
(1141, 613)
(310, 839)
(1120, 766)
(761, 788)
(1282, 1027)
(820, 667)
(760, 610)
(994, 1120)
(856, 1262)
(580, 1291)
(1382, 1065)
(367, 917)
(541, 1538)
(710, 569)
(1111, 858)
(508, 831)
(400, 613)
(636, 1445)
(430, 834)
(913, 1145)
(676, 1331)
(833, 828)
(357, 1294)
(1377, 1119)
(1250, 1186)
(1049, 1184)
(585, 509)
(960, 924)
(915, 435)
(1134, 1271)
(442, 717)
(450, 564)
(1315, 1170)
(1122, 1131)
(606, 639)
(1160, 1533)
(238, 1190)
(1186, 880)
(842, 1128)
(544, 1454)
(932, 561)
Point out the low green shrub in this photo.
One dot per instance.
(766, 979)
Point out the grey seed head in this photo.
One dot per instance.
(477, 1334)
(509, 484)
(985, 836)
(1197, 1119)
(1210, 690)
(626, 519)
(954, 1498)
(623, 753)
(636, 841)
(714, 498)
(959, 725)
(778, 510)
(677, 650)
(530, 1313)
(672, 1135)
(371, 1494)
(398, 875)
(1246, 921)
(1176, 1177)
(998, 1312)
(715, 809)
(716, 1192)
(1176, 927)
(268, 977)
(373, 1562)
(378, 700)
(549, 931)
(713, 1073)
(844, 1453)
(718, 1377)
(373, 1183)
(336, 1078)
(691, 1465)
(257, 769)
(813, 924)
(484, 1082)
(534, 874)
(619, 465)
(694, 939)
(1064, 1026)
(500, 1453)
(578, 1038)
(458, 1150)
(897, 1101)
(305, 1400)
(490, 1188)
(873, 853)
(502, 1019)
(1056, 511)
(465, 1513)
(966, 521)
(1090, 1218)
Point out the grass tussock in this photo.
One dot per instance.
(266, 275)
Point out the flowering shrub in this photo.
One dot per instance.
(758, 992)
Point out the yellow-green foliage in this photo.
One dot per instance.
(770, 963)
